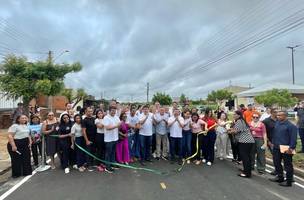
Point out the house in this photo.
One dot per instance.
(295, 90)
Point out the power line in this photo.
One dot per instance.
(252, 44)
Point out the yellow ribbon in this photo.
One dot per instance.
(197, 145)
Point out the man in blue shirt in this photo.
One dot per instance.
(285, 133)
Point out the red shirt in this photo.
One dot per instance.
(210, 122)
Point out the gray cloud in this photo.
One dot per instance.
(125, 44)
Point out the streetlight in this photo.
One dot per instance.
(65, 51)
(292, 48)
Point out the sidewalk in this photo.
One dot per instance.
(5, 162)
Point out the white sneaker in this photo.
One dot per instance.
(67, 170)
(221, 158)
(209, 163)
(204, 160)
(188, 161)
(75, 167)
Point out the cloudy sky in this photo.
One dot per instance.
(178, 46)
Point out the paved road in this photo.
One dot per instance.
(193, 183)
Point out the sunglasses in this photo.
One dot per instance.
(255, 117)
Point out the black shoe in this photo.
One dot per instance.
(285, 184)
(149, 160)
(109, 170)
(261, 172)
(277, 179)
(157, 158)
(273, 173)
(180, 162)
(115, 167)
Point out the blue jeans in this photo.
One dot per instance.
(301, 134)
(110, 152)
(186, 143)
(145, 147)
(132, 145)
(80, 155)
(175, 144)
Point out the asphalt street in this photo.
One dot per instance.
(194, 182)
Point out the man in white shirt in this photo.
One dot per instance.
(176, 124)
(111, 125)
(161, 121)
(133, 122)
(145, 135)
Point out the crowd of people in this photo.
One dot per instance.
(127, 134)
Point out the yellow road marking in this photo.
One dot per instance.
(163, 185)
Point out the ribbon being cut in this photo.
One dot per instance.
(117, 164)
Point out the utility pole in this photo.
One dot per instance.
(292, 48)
(50, 56)
(148, 87)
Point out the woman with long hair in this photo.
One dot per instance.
(122, 147)
(100, 145)
(50, 127)
(19, 142)
(210, 138)
(197, 125)
(222, 137)
(245, 142)
(35, 128)
(78, 138)
(65, 144)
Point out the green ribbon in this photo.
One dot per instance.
(117, 164)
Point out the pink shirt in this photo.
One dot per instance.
(197, 127)
(257, 131)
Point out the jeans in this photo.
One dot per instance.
(145, 147)
(234, 148)
(175, 144)
(258, 154)
(301, 134)
(35, 147)
(196, 145)
(80, 155)
(287, 160)
(92, 149)
(208, 145)
(100, 146)
(132, 146)
(186, 143)
(65, 152)
(245, 151)
(110, 152)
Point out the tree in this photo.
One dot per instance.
(20, 78)
(182, 98)
(162, 98)
(277, 97)
(219, 96)
(74, 96)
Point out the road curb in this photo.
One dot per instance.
(297, 171)
(5, 170)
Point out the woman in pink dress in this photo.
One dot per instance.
(122, 147)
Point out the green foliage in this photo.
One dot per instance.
(220, 95)
(162, 98)
(277, 97)
(20, 78)
(74, 96)
(182, 98)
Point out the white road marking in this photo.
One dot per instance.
(15, 187)
(301, 179)
(276, 194)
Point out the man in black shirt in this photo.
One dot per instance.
(89, 133)
(270, 124)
